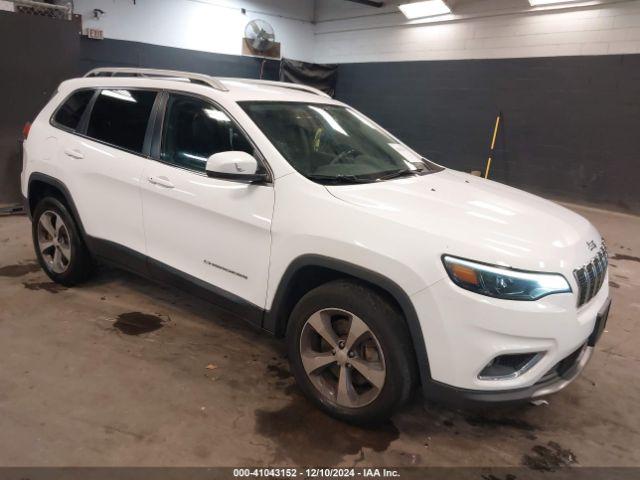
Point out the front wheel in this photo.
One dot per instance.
(350, 351)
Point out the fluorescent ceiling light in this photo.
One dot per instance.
(430, 8)
(329, 119)
(216, 115)
(536, 3)
(119, 94)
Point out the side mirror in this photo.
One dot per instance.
(234, 165)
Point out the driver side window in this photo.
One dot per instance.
(194, 130)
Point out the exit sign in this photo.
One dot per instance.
(94, 33)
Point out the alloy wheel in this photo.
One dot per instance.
(342, 357)
(54, 242)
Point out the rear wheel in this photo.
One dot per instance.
(350, 351)
(59, 247)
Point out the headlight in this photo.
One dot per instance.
(501, 282)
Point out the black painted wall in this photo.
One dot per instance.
(571, 124)
(120, 53)
(54, 51)
(36, 54)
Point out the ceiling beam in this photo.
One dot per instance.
(369, 3)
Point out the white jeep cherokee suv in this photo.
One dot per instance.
(383, 270)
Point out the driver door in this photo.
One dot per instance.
(211, 232)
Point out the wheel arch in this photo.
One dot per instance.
(309, 271)
(41, 185)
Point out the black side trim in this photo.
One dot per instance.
(138, 263)
(26, 207)
(41, 177)
(128, 259)
(239, 177)
(118, 255)
(223, 299)
(275, 323)
(461, 397)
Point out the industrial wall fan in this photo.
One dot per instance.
(260, 39)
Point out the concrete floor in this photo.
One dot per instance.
(203, 388)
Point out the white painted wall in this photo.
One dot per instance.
(7, 6)
(347, 32)
(205, 25)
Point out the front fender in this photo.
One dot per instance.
(275, 318)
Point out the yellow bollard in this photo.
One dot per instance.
(493, 144)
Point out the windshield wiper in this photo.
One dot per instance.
(340, 178)
(403, 172)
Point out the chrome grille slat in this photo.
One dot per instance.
(581, 277)
(604, 265)
(598, 272)
(590, 280)
(601, 270)
(590, 277)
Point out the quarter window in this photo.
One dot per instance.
(70, 113)
(194, 130)
(120, 117)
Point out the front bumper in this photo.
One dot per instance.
(555, 380)
(464, 331)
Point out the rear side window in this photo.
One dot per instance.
(70, 113)
(194, 130)
(120, 117)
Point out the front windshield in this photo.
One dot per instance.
(330, 143)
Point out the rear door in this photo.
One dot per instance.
(106, 158)
(215, 231)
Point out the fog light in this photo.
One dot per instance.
(505, 367)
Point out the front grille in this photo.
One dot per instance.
(591, 276)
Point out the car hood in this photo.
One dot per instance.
(479, 219)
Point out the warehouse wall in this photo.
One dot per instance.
(121, 53)
(570, 123)
(570, 115)
(54, 51)
(204, 25)
(347, 33)
(33, 66)
(567, 80)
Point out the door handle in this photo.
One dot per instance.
(161, 181)
(70, 152)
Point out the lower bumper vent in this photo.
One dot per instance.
(509, 366)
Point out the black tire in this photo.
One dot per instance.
(77, 268)
(389, 328)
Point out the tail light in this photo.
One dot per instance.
(25, 130)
